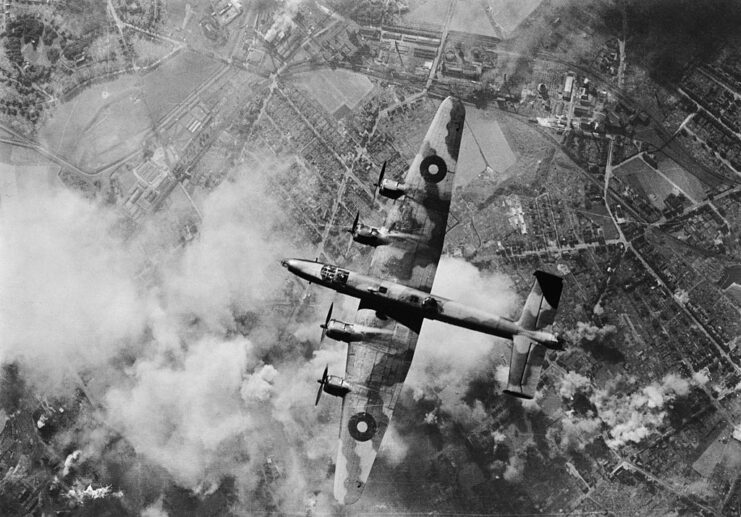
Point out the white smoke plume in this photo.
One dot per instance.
(155, 510)
(67, 297)
(283, 18)
(160, 352)
(585, 331)
(632, 416)
(70, 462)
(515, 466)
(576, 432)
(629, 413)
(701, 378)
(572, 382)
(447, 358)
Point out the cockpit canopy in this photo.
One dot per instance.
(334, 274)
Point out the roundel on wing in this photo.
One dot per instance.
(362, 426)
(433, 168)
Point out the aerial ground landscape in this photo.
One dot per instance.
(158, 159)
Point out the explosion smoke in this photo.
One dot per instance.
(630, 414)
(160, 351)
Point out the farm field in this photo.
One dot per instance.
(727, 454)
(510, 13)
(689, 184)
(334, 89)
(426, 12)
(101, 125)
(470, 17)
(166, 86)
(484, 144)
(646, 181)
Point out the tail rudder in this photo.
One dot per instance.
(530, 344)
(542, 302)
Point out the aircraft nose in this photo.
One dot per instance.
(284, 262)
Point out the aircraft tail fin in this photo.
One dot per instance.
(525, 365)
(542, 302)
(529, 346)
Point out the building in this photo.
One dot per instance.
(568, 86)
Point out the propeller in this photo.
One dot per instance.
(321, 382)
(326, 323)
(355, 224)
(380, 180)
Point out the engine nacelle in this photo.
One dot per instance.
(341, 331)
(369, 235)
(336, 386)
(391, 189)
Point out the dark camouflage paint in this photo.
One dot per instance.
(379, 369)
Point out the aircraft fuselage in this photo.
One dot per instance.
(386, 294)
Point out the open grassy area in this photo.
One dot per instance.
(722, 450)
(426, 12)
(690, 185)
(645, 181)
(102, 124)
(470, 17)
(483, 145)
(171, 82)
(335, 88)
(510, 13)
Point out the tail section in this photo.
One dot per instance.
(542, 302)
(528, 347)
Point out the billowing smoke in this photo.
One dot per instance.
(629, 413)
(199, 396)
(515, 469)
(701, 378)
(577, 432)
(283, 19)
(66, 290)
(585, 331)
(572, 382)
(155, 510)
(448, 358)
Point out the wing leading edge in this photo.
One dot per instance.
(377, 369)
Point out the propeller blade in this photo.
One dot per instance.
(378, 184)
(321, 382)
(319, 393)
(329, 315)
(325, 324)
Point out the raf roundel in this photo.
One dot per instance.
(362, 426)
(433, 168)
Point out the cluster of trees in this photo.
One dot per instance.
(27, 108)
(23, 77)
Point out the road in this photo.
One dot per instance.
(24, 141)
(557, 250)
(652, 270)
(684, 496)
(436, 61)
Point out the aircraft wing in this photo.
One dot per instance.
(376, 372)
(376, 369)
(527, 355)
(424, 212)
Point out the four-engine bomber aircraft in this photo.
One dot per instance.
(395, 299)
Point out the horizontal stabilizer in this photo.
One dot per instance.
(524, 367)
(542, 302)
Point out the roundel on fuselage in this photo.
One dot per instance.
(433, 168)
